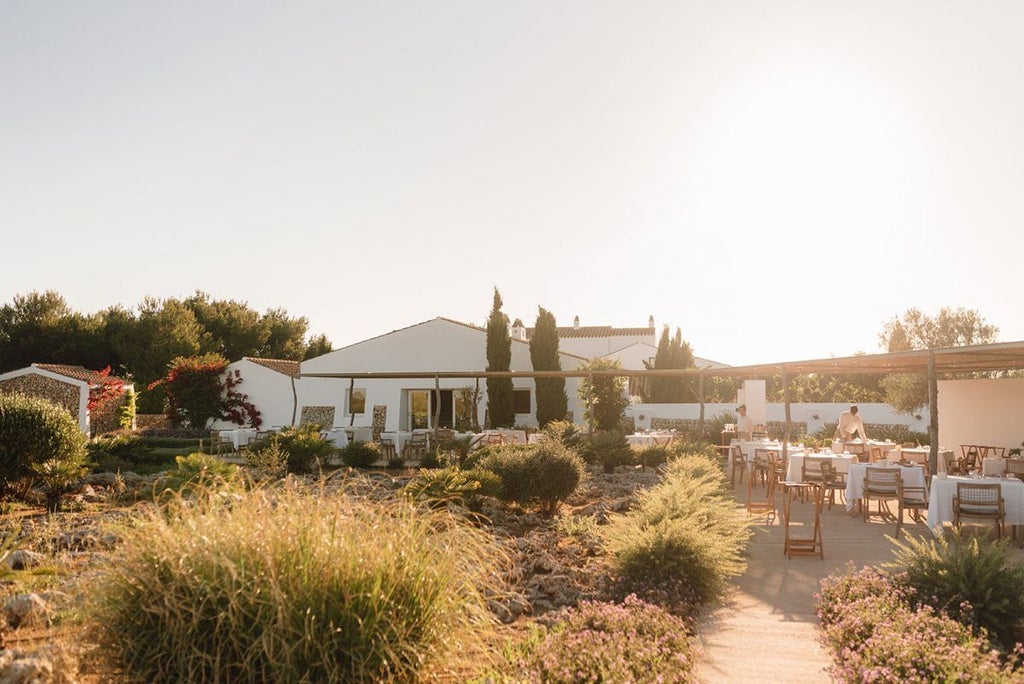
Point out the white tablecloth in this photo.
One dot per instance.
(400, 438)
(238, 437)
(336, 436)
(647, 439)
(913, 476)
(940, 505)
(794, 471)
(748, 448)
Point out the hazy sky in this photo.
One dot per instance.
(777, 179)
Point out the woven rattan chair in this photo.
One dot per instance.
(416, 447)
(739, 464)
(913, 499)
(833, 481)
(1015, 467)
(764, 465)
(979, 500)
(880, 484)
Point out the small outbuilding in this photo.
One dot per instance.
(75, 388)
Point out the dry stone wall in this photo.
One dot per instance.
(63, 394)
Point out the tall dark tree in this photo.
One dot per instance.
(231, 329)
(500, 408)
(674, 353)
(287, 338)
(318, 346)
(552, 403)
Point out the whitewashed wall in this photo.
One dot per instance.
(987, 412)
(815, 415)
(268, 390)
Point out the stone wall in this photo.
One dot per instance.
(317, 415)
(63, 394)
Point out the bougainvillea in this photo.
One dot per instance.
(200, 389)
(106, 389)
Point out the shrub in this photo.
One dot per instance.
(686, 526)
(545, 473)
(564, 431)
(58, 477)
(359, 454)
(875, 636)
(691, 447)
(32, 432)
(197, 473)
(303, 444)
(287, 586)
(463, 487)
(270, 462)
(433, 458)
(176, 432)
(972, 580)
(652, 456)
(608, 449)
(606, 642)
(116, 444)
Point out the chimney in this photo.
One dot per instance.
(517, 331)
(650, 322)
(576, 323)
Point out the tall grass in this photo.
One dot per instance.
(290, 586)
(685, 528)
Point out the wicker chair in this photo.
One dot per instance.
(913, 499)
(386, 448)
(833, 481)
(764, 465)
(416, 447)
(1015, 467)
(739, 464)
(880, 484)
(979, 500)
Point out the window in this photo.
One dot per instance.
(521, 400)
(357, 401)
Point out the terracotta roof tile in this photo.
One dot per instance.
(284, 366)
(74, 372)
(570, 332)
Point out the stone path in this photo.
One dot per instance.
(767, 629)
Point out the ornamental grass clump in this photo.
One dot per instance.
(607, 642)
(285, 585)
(685, 527)
(876, 636)
(972, 580)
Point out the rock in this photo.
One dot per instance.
(22, 559)
(101, 479)
(27, 670)
(26, 610)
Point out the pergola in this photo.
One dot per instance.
(1000, 356)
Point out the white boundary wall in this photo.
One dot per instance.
(815, 415)
(989, 412)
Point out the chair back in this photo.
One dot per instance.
(813, 469)
(978, 498)
(1015, 467)
(882, 480)
(494, 438)
(418, 439)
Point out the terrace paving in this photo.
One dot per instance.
(767, 628)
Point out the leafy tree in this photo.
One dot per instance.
(318, 346)
(287, 339)
(499, 358)
(199, 390)
(231, 328)
(916, 330)
(604, 396)
(552, 403)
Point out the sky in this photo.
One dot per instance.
(777, 179)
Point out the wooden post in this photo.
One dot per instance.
(933, 409)
(700, 398)
(437, 402)
(590, 406)
(351, 413)
(787, 431)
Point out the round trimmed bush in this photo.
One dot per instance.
(304, 446)
(34, 431)
(545, 473)
(286, 585)
(359, 454)
(608, 449)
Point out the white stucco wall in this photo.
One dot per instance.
(435, 345)
(269, 390)
(981, 412)
(815, 415)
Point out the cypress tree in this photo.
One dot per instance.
(681, 356)
(660, 387)
(499, 358)
(552, 403)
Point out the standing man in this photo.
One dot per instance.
(850, 424)
(744, 424)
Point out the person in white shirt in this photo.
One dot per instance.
(744, 424)
(850, 424)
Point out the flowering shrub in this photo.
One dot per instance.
(198, 390)
(972, 580)
(606, 642)
(875, 636)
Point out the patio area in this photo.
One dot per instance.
(767, 629)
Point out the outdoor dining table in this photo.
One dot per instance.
(795, 469)
(940, 503)
(646, 439)
(336, 436)
(239, 437)
(912, 476)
